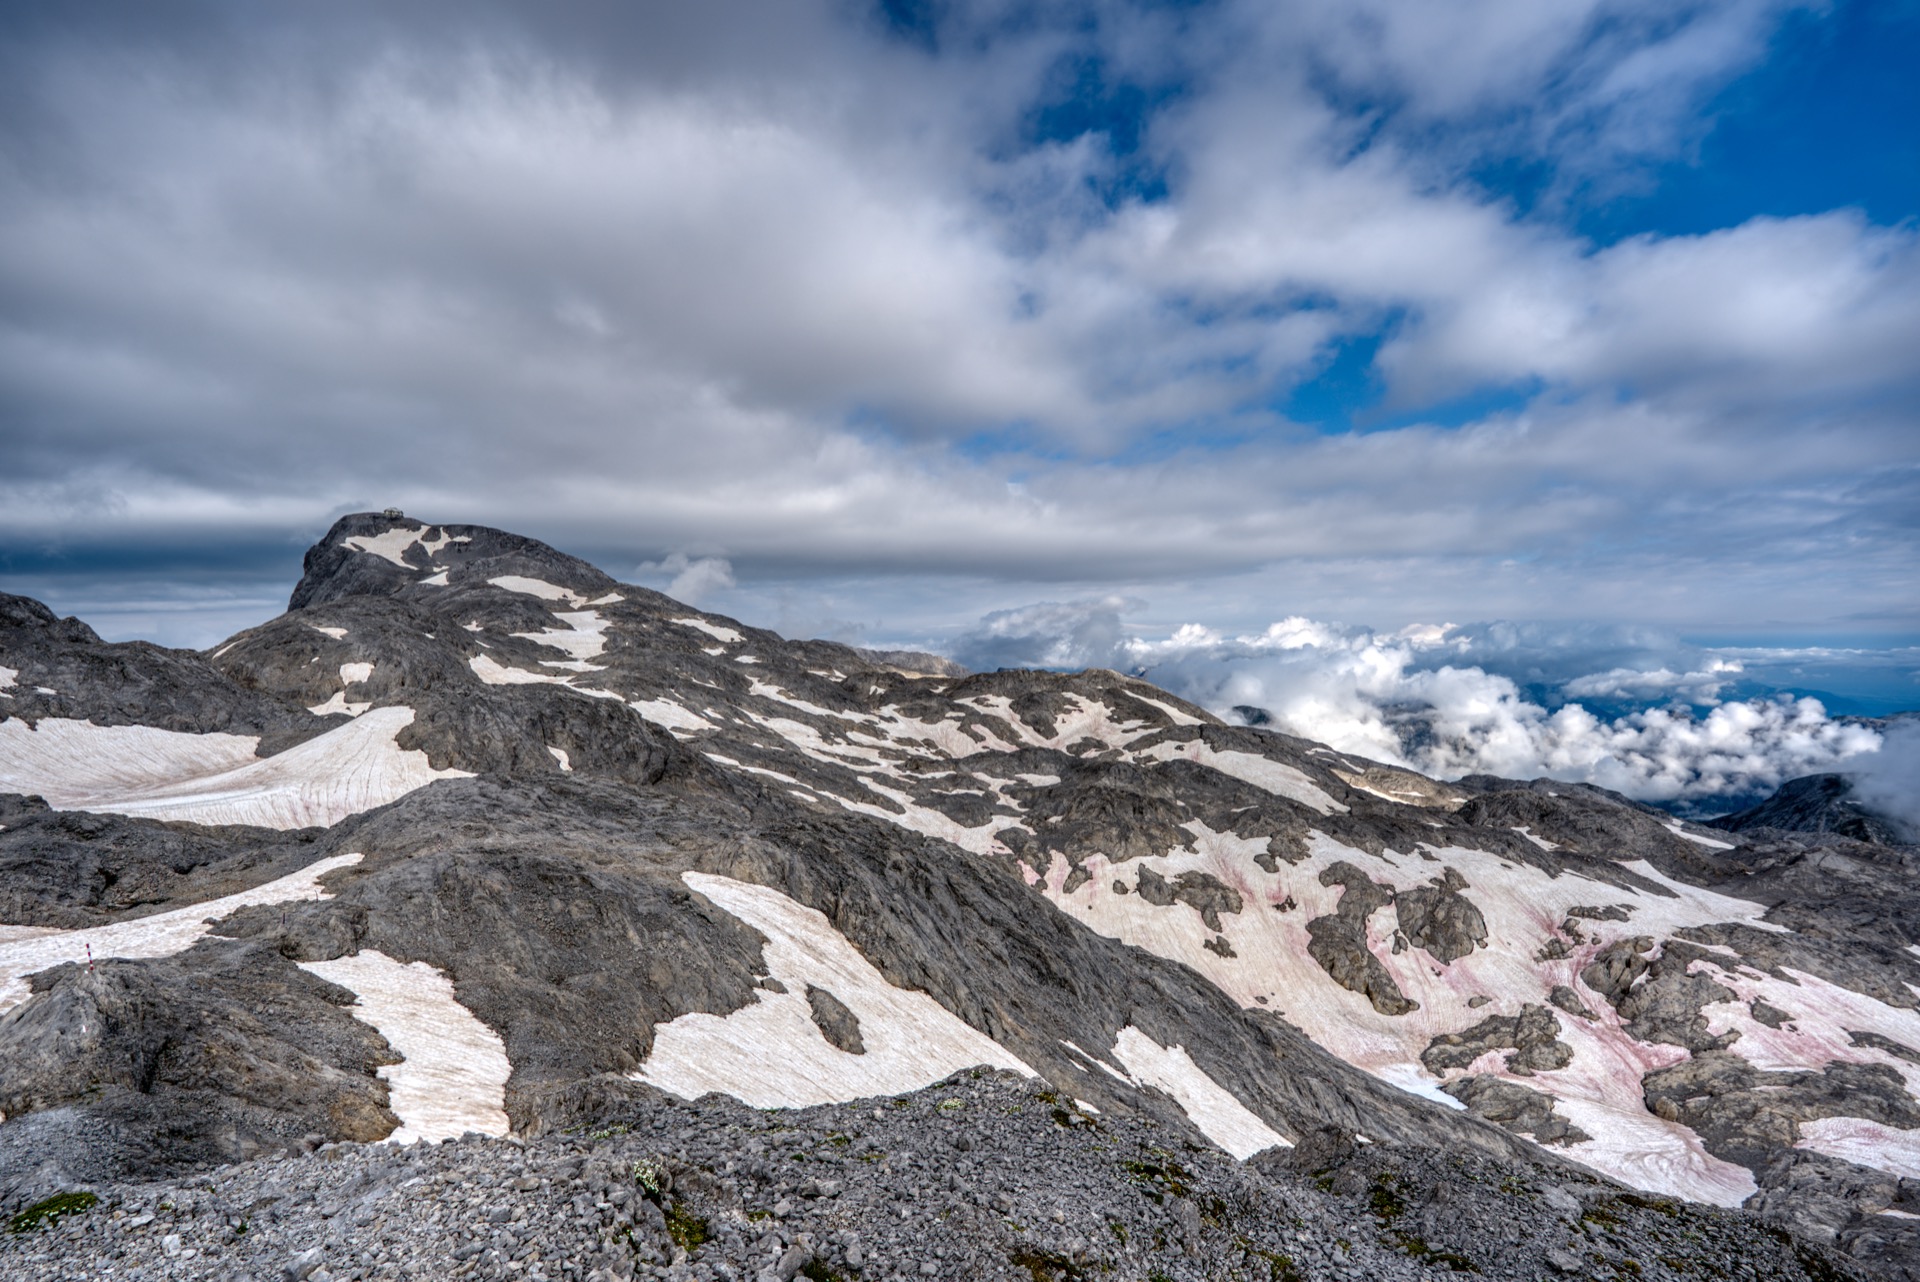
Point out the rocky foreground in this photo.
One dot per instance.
(983, 1176)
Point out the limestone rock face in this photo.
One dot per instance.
(561, 844)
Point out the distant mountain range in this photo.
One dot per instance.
(475, 838)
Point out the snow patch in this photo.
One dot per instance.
(1208, 1105)
(1415, 1081)
(161, 935)
(1179, 718)
(583, 638)
(338, 703)
(560, 755)
(435, 580)
(336, 633)
(538, 587)
(1865, 1143)
(1276, 777)
(771, 1054)
(354, 673)
(666, 712)
(68, 762)
(714, 630)
(1538, 841)
(495, 673)
(453, 1073)
(393, 544)
(1675, 828)
(216, 779)
(8, 677)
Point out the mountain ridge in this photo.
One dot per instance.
(528, 772)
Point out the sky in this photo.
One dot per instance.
(1568, 343)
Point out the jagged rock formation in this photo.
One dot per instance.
(475, 838)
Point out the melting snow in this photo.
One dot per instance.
(1600, 1090)
(392, 544)
(7, 677)
(215, 779)
(453, 1075)
(1538, 841)
(1179, 718)
(714, 630)
(584, 637)
(160, 935)
(338, 703)
(666, 712)
(1675, 828)
(1857, 1140)
(494, 673)
(1275, 776)
(354, 673)
(541, 588)
(335, 633)
(560, 755)
(1210, 1106)
(65, 760)
(771, 1054)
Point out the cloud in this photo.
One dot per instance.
(763, 277)
(1414, 698)
(1070, 634)
(692, 580)
(1888, 780)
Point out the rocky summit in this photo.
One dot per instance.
(482, 916)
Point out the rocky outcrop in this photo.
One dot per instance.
(1200, 891)
(1516, 1107)
(1533, 1036)
(1339, 942)
(1440, 919)
(218, 1055)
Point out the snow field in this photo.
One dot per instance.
(452, 1077)
(161, 935)
(771, 1054)
(1854, 1139)
(71, 762)
(184, 778)
(1600, 1088)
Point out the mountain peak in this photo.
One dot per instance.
(388, 553)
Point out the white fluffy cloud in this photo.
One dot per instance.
(1417, 698)
(1888, 780)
